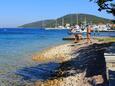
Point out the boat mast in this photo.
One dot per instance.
(71, 19)
(56, 25)
(62, 21)
(85, 21)
(77, 16)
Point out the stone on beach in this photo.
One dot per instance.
(86, 67)
(58, 53)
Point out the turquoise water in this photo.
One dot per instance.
(18, 45)
(17, 48)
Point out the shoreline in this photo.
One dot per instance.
(65, 65)
(59, 53)
(53, 53)
(73, 73)
(65, 76)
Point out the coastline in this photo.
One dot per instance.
(56, 53)
(59, 53)
(66, 64)
(67, 55)
(72, 73)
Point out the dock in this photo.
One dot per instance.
(72, 37)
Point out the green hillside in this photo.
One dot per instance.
(71, 19)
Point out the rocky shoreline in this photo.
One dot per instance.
(85, 67)
(60, 53)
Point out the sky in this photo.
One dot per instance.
(14, 13)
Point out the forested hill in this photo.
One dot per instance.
(71, 19)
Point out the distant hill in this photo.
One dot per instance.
(71, 19)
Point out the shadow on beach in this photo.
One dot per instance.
(89, 60)
(38, 72)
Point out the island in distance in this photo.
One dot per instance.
(71, 19)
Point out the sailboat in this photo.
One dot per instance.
(83, 27)
(79, 29)
(56, 26)
(62, 26)
(51, 28)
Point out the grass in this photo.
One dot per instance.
(110, 39)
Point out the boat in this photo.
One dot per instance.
(61, 27)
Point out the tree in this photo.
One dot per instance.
(108, 5)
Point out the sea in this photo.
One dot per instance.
(18, 45)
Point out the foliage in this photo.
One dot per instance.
(108, 5)
(70, 18)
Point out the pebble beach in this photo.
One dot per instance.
(78, 64)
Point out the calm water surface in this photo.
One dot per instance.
(18, 45)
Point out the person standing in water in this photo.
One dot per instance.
(89, 30)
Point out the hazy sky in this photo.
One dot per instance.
(17, 12)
